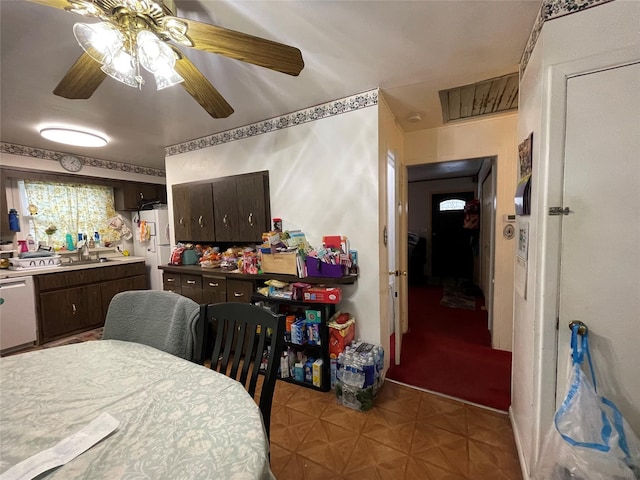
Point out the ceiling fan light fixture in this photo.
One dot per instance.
(99, 40)
(84, 8)
(154, 54)
(177, 30)
(167, 78)
(122, 68)
(70, 136)
(138, 6)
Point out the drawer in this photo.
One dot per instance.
(214, 289)
(214, 284)
(191, 281)
(171, 280)
(239, 290)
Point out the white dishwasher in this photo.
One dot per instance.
(17, 312)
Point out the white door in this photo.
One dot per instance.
(392, 254)
(600, 252)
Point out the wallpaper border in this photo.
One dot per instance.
(549, 10)
(310, 114)
(87, 161)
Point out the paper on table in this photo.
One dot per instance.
(63, 452)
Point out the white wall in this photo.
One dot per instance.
(323, 179)
(494, 136)
(607, 34)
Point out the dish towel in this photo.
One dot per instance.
(163, 320)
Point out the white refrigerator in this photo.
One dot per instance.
(152, 240)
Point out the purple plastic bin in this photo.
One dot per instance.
(318, 268)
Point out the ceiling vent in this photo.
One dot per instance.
(480, 98)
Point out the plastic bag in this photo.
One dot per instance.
(589, 439)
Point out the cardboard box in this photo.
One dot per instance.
(280, 263)
(317, 372)
(323, 295)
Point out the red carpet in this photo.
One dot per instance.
(448, 350)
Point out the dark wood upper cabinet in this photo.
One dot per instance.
(130, 196)
(181, 212)
(228, 209)
(254, 211)
(241, 207)
(193, 212)
(202, 224)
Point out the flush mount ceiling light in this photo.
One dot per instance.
(73, 137)
(414, 117)
(134, 33)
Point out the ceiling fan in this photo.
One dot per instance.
(139, 32)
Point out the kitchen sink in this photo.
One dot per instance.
(85, 262)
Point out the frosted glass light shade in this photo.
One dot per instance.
(154, 54)
(167, 78)
(122, 68)
(99, 40)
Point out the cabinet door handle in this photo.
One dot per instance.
(141, 195)
(181, 221)
(191, 282)
(200, 221)
(169, 280)
(250, 219)
(73, 308)
(236, 294)
(225, 221)
(214, 284)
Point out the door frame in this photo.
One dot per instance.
(545, 279)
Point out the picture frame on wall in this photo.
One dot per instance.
(522, 198)
(525, 156)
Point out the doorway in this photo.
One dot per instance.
(447, 348)
(450, 241)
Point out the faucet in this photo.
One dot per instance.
(83, 252)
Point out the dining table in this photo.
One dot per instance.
(171, 418)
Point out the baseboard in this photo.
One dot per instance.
(516, 435)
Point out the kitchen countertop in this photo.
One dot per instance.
(68, 267)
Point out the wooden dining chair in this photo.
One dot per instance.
(160, 319)
(248, 342)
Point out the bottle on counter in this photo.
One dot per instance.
(69, 242)
(14, 220)
(96, 239)
(31, 243)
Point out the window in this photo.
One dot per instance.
(453, 204)
(71, 208)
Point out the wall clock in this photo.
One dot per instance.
(71, 163)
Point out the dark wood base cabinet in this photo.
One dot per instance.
(75, 301)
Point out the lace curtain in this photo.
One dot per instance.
(71, 208)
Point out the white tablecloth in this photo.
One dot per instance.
(178, 420)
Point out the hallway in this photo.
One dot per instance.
(448, 350)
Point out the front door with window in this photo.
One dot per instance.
(451, 252)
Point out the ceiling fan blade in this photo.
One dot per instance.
(82, 79)
(244, 47)
(61, 4)
(196, 84)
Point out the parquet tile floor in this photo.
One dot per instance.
(409, 434)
